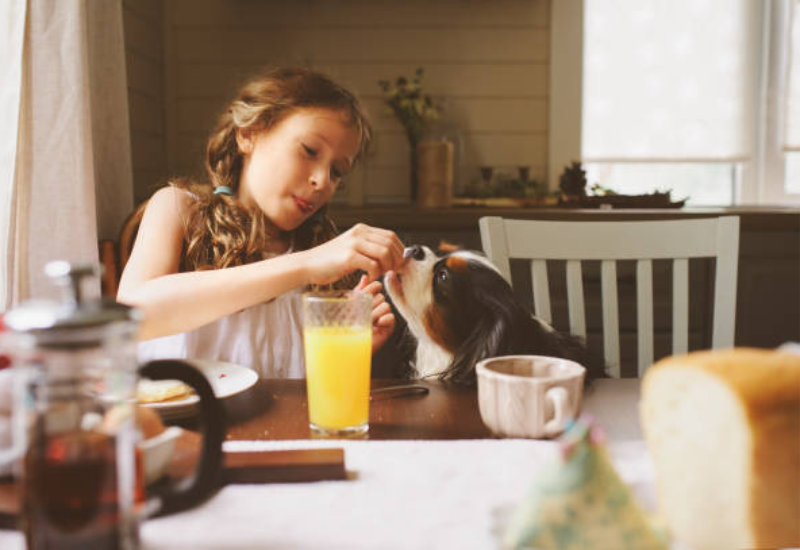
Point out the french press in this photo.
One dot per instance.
(75, 435)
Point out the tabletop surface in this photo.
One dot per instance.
(430, 475)
(278, 409)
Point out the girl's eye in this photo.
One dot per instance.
(336, 173)
(309, 151)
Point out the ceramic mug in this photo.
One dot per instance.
(532, 396)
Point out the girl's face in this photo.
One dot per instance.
(292, 169)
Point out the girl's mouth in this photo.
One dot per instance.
(305, 206)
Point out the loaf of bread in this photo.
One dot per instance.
(723, 430)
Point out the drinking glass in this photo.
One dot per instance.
(337, 335)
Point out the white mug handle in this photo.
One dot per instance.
(558, 397)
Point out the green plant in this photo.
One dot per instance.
(414, 109)
(575, 190)
(602, 191)
(572, 181)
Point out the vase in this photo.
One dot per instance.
(412, 162)
(434, 173)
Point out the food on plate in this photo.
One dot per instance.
(149, 421)
(722, 428)
(158, 391)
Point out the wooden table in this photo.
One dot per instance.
(278, 409)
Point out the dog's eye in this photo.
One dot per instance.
(442, 276)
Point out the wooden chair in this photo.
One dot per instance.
(114, 254)
(610, 241)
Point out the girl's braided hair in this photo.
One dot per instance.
(221, 232)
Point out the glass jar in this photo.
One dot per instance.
(438, 162)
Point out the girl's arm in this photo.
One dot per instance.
(177, 302)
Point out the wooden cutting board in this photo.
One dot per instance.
(284, 466)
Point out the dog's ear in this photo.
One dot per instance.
(486, 340)
(500, 327)
(446, 247)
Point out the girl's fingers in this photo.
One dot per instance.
(386, 320)
(392, 245)
(372, 250)
(379, 312)
(377, 253)
(372, 267)
(362, 284)
(384, 238)
(372, 288)
(364, 263)
(395, 253)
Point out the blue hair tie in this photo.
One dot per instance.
(223, 190)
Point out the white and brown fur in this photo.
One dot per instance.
(460, 309)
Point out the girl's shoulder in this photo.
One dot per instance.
(170, 206)
(175, 195)
(173, 199)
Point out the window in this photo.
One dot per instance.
(693, 97)
(701, 184)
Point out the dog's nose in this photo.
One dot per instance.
(416, 252)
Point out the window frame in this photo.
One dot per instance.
(759, 181)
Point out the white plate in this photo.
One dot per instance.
(226, 379)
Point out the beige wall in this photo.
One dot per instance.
(487, 60)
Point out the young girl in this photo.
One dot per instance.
(217, 267)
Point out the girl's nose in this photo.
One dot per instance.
(320, 179)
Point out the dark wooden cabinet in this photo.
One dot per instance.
(768, 299)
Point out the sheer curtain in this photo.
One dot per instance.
(72, 167)
(791, 141)
(669, 81)
(11, 40)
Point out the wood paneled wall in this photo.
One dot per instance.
(143, 22)
(487, 61)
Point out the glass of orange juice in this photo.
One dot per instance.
(337, 335)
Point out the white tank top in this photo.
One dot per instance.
(267, 338)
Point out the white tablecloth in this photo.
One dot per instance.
(401, 494)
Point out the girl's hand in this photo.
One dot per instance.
(370, 249)
(382, 316)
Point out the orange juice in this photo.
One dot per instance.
(338, 376)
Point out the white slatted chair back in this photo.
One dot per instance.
(609, 242)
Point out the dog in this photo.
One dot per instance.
(460, 310)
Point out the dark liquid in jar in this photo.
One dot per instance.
(71, 493)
